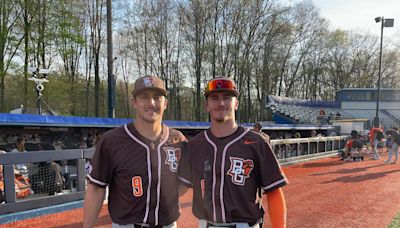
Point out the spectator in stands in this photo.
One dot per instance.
(295, 149)
(313, 145)
(338, 115)
(333, 133)
(20, 145)
(313, 133)
(82, 142)
(322, 112)
(89, 140)
(322, 116)
(97, 137)
(376, 136)
(330, 117)
(257, 128)
(394, 145)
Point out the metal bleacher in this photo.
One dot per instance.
(310, 115)
(305, 114)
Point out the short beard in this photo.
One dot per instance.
(220, 120)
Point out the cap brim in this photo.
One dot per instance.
(234, 92)
(163, 92)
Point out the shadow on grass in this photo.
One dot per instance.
(350, 170)
(101, 221)
(320, 164)
(360, 178)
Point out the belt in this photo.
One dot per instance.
(146, 226)
(216, 225)
(233, 225)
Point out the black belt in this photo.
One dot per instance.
(147, 226)
(210, 225)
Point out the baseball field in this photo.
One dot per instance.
(321, 193)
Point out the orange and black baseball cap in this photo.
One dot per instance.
(149, 82)
(221, 84)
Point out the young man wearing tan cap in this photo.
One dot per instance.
(138, 162)
(229, 167)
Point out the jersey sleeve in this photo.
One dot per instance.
(271, 174)
(100, 165)
(185, 167)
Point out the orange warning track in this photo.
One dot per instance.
(323, 193)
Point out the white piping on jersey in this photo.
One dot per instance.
(221, 189)
(274, 184)
(96, 181)
(146, 215)
(185, 181)
(214, 175)
(159, 176)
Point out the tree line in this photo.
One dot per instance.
(265, 46)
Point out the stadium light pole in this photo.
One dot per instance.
(110, 60)
(388, 22)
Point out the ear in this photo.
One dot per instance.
(165, 103)
(133, 102)
(206, 106)
(236, 103)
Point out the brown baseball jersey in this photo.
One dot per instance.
(141, 175)
(228, 175)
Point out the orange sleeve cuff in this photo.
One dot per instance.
(277, 208)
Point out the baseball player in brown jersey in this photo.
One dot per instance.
(138, 162)
(229, 167)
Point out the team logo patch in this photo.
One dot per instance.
(172, 158)
(148, 82)
(240, 169)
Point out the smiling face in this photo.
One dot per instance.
(222, 106)
(150, 105)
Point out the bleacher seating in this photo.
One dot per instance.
(310, 115)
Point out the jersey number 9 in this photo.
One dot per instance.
(137, 186)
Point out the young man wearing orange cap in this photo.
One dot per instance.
(138, 162)
(230, 167)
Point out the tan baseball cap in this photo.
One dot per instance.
(149, 82)
(221, 84)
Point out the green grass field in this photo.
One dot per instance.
(396, 222)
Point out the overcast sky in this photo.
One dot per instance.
(359, 15)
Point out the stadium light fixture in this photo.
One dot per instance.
(388, 22)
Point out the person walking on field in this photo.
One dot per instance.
(375, 136)
(394, 147)
(230, 167)
(139, 163)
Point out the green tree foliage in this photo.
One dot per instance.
(266, 47)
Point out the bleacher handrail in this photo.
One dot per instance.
(306, 140)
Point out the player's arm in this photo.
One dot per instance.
(94, 198)
(277, 208)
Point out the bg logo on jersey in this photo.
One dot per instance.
(240, 170)
(172, 159)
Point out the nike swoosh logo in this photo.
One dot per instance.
(247, 142)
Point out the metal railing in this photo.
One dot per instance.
(287, 151)
(299, 149)
(9, 160)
